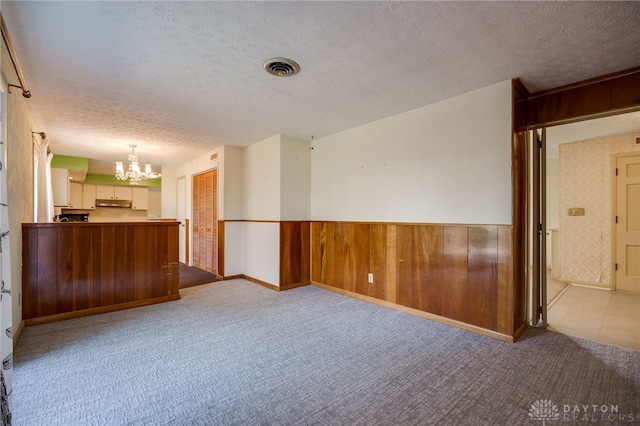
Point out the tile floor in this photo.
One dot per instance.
(610, 317)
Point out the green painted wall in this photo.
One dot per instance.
(79, 163)
(112, 180)
(68, 162)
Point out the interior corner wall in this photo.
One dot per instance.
(261, 180)
(230, 178)
(230, 183)
(261, 251)
(261, 210)
(295, 178)
(169, 192)
(19, 166)
(233, 255)
(585, 181)
(263, 184)
(448, 162)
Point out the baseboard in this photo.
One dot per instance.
(99, 310)
(586, 284)
(262, 283)
(294, 285)
(422, 314)
(230, 277)
(272, 286)
(17, 332)
(601, 286)
(520, 331)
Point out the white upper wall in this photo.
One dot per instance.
(169, 192)
(230, 183)
(261, 180)
(448, 162)
(295, 179)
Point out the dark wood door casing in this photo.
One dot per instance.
(600, 96)
(605, 95)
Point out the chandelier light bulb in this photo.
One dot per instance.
(134, 174)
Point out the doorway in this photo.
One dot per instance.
(183, 232)
(581, 226)
(627, 229)
(204, 214)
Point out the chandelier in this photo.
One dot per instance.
(134, 174)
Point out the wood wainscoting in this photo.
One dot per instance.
(462, 274)
(295, 248)
(294, 256)
(78, 268)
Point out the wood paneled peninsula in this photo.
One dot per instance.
(84, 268)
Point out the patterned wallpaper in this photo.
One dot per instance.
(585, 181)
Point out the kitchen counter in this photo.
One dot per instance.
(73, 269)
(140, 222)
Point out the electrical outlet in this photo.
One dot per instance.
(370, 277)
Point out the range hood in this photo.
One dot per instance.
(123, 204)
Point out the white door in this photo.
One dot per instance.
(182, 215)
(628, 223)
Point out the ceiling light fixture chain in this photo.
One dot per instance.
(134, 174)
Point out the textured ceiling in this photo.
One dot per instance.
(181, 78)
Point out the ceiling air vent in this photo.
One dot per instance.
(281, 67)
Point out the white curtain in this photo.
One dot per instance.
(6, 333)
(45, 188)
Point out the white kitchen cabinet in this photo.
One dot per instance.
(104, 192)
(89, 196)
(75, 195)
(113, 192)
(140, 198)
(60, 187)
(123, 192)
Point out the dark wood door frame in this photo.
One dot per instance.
(601, 96)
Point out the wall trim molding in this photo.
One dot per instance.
(254, 221)
(260, 282)
(269, 285)
(230, 277)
